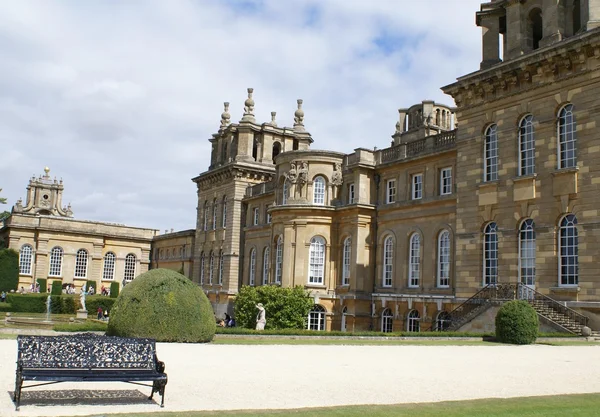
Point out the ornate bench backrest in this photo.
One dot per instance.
(86, 351)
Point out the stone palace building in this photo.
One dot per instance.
(494, 199)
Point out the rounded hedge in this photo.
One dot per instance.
(164, 305)
(517, 323)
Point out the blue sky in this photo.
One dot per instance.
(120, 98)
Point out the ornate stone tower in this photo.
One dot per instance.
(44, 197)
(243, 155)
(421, 120)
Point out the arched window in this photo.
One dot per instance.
(252, 267)
(205, 214)
(526, 146)
(56, 256)
(211, 268)
(490, 255)
(567, 140)
(279, 260)
(224, 216)
(568, 268)
(490, 154)
(387, 321)
(202, 267)
(316, 318)
(276, 150)
(413, 321)
(108, 273)
(347, 251)
(442, 321)
(25, 258)
(214, 214)
(535, 28)
(221, 268)
(319, 191)
(316, 268)
(129, 273)
(284, 193)
(414, 266)
(81, 263)
(388, 261)
(265, 272)
(443, 261)
(527, 252)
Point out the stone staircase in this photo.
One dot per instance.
(557, 318)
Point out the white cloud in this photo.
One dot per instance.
(119, 100)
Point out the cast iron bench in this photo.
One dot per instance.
(88, 357)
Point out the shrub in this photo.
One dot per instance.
(43, 285)
(88, 326)
(114, 289)
(9, 269)
(517, 323)
(285, 308)
(27, 303)
(94, 301)
(163, 305)
(56, 288)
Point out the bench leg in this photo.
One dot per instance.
(159, 387)
(17, 394)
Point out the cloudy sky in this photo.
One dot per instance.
(120, 97)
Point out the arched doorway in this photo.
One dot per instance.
(344, 313)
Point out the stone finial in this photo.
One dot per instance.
(225, 116)
(299, 117)
(273, 122)
(249, 107)
(46, 172)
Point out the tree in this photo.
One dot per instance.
(9, 269)
(286, 308)
(2, 199)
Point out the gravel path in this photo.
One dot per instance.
(215, 377)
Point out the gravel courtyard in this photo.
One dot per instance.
(213, 377)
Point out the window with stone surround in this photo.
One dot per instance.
(351, 194)
(211, 268)
(255, 216)
(25, 258)
(414, 265)
(224, 215)
(214, 214)
(413, 321)
(221, 260)
(417, 187)
(205, 215)
(442, 321)
(443, 261)
(279, 260)
(527, 252)
(56, 257)
(490, 254)
(81, 260)
(346, 252)
(202, 267)
(526, 146)
(252, 267)
(390, 191)
(387, 320)
(567, 138)
(129, 273)
(568, 243)
(446, 181)
(108, 272)
(319, 191)
(316, 270)
(266, 264)
(316, 318)
(491, 154)
(388, 261)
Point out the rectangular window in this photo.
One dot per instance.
(351, 194)
(491, 154)
(268, 215)
(255, 216)
(446, 181)
(390, 196)
(417, 186)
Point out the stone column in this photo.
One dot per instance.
(515, 44)
(490, 41)
(553, 23)
(593, 15)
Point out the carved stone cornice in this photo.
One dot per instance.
(535, 70)
(227, 174)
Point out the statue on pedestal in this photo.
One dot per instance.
(260, 317)
(82, 295)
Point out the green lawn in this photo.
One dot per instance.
(582, 405)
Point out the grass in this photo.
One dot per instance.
(580, 405)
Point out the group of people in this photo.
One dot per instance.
(104, 291)
(102, 314)
(3, 297)
(228, 321)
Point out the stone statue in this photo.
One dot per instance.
(82, 295)
(336, 178)
(303, 175)
(260, 317)
(292, 174)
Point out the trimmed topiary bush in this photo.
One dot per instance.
(94, 301)
(114, 289)
(163, 305)
(43, 283)
(517, 323)
(56, 288)
(9, 269)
